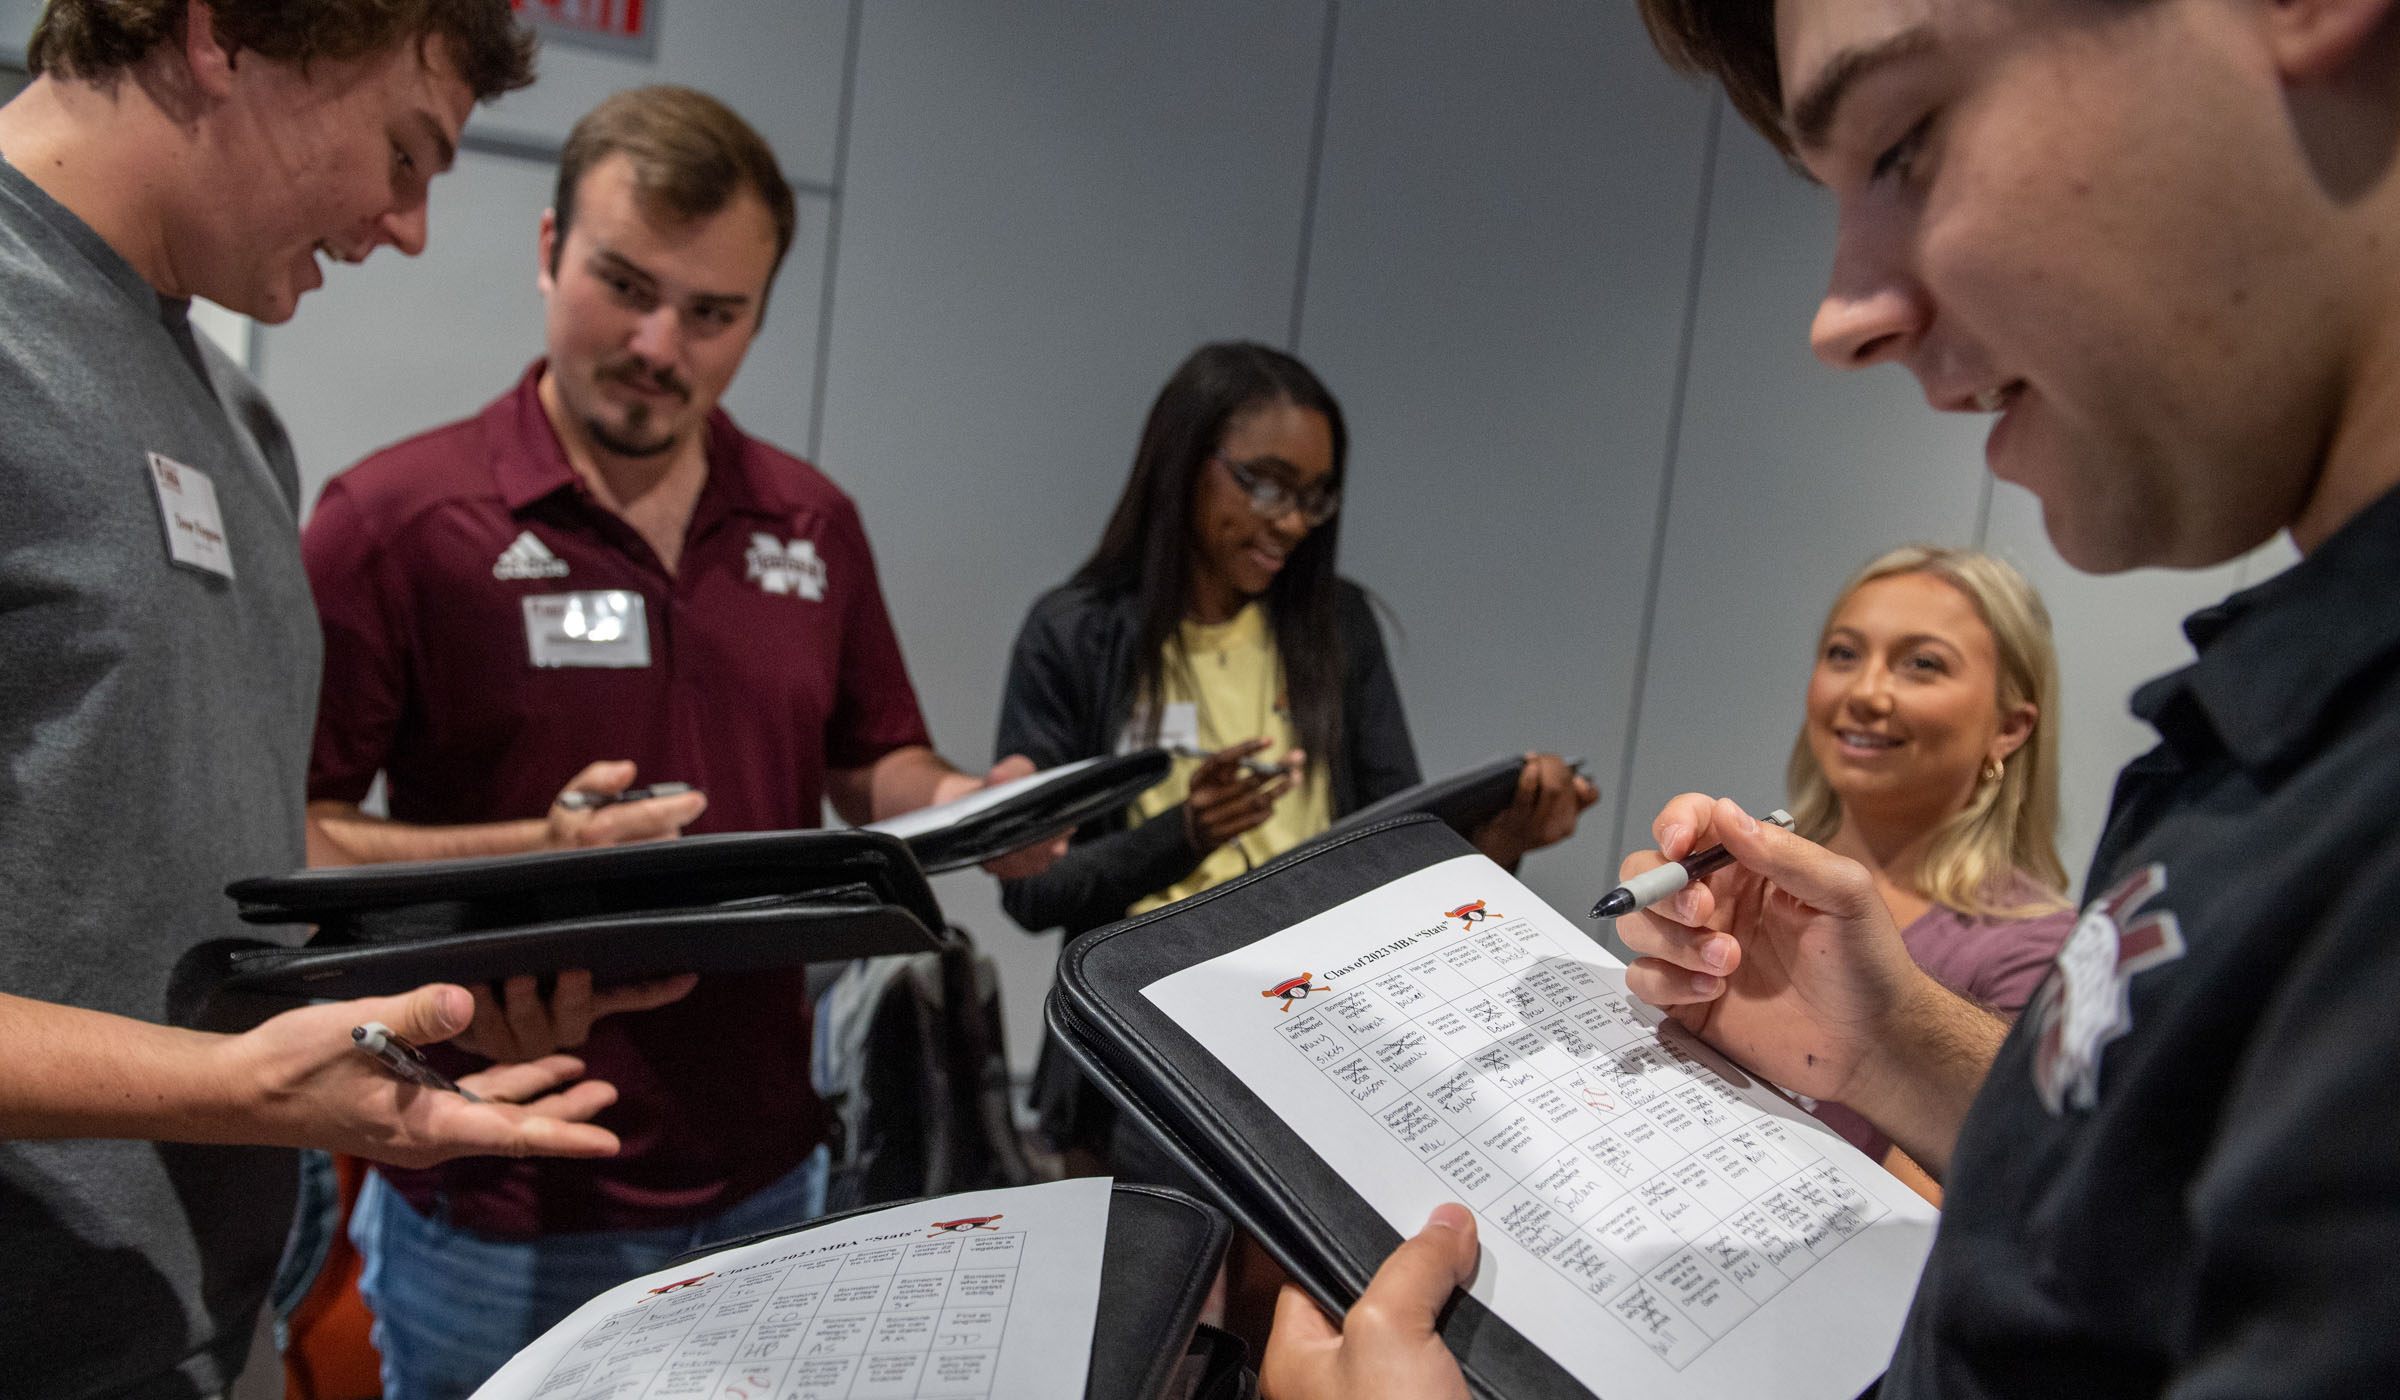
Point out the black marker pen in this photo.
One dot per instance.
(1651, 886)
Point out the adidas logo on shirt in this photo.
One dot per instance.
(527, 557)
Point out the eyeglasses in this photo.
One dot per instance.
(1274, 499)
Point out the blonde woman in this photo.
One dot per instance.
(1929, 755)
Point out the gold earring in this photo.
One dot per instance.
(1992, 770)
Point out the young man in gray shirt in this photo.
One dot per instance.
(158, 656)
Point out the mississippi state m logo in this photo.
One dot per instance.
(791, 569)
(2087, 1001)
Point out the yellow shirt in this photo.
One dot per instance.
(1231, 677)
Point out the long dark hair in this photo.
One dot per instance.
(1147, 547)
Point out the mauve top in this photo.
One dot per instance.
(1996, 961)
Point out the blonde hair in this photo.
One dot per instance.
(2008, 825)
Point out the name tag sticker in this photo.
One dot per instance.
(607, 627)
(187, 507)
(1178, 728)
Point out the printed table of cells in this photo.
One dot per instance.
(922, 1318)
(1530, 1086)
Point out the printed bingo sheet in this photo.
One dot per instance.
(1658, 1223)
(983, 1294)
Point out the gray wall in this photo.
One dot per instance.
(1597, 474)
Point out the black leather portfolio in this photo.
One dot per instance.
(1156, 1266)
(728, 903)
(1463, 801)
(982, 825)
(1327, 1237)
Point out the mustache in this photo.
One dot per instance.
(641, 375)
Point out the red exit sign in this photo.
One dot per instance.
(627, 26)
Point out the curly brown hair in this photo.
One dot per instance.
(94, 39)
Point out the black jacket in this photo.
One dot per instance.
(1070, 693)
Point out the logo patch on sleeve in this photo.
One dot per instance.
(2087, 1001)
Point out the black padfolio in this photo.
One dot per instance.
(731, 903)
(1464, 801)
(1156, 1266)
(1265, 1176)
(1062, 802)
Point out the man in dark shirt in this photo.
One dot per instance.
(2157, 239)
(596, 580)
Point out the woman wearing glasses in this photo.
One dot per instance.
(1210, 620)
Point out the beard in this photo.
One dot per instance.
(635, 435)
(630, 440)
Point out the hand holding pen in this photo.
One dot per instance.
(303, 1079)
(406, 1062)
(1255, 767)
(593, 801)
(1788, 961)
(600, 807)
(1649, 887)
(1233, 791)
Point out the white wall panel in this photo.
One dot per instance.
(1046, 206)
(1790, 475)
(395, 345)
(771, 398)
(778, 63)
(16, 26)
(1496, 290)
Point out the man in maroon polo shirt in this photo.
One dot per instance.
(600, 577)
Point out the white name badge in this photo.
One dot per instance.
(1178, 728)
(606, 627)
(187, 507)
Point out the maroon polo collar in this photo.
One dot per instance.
(529, 463)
